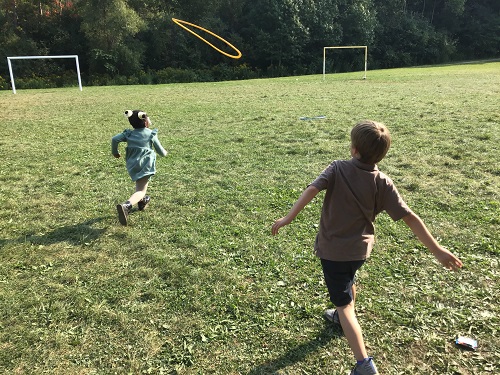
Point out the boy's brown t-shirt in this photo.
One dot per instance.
(355, 194)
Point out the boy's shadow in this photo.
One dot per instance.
(297, 354)
(77, 234)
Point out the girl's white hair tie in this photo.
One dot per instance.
(128, 113)
(142, 115)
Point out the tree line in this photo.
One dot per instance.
(135, 41)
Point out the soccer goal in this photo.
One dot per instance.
(344, 47)
(42, 57)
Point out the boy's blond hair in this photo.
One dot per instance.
(372, 140)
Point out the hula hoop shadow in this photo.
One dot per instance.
(181, 23)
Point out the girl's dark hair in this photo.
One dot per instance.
(137, 118)
(372, 141)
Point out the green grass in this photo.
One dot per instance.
(196, 284)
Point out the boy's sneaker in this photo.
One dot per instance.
(332, 315)
(143, 202)
(366, 368)
(123, 210)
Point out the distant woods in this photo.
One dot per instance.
(134, 42)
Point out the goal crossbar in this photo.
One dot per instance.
(344, 47)
(43, 57)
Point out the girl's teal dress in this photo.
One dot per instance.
(140, 152)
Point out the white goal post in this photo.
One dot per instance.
(341, 47)
(42, 57)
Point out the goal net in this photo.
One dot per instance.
(344, 47)
(42, 57)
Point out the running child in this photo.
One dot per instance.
(140, 157)
(356, 191)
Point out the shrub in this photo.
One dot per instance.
(33, 82)
(243, 71)
(175, 75)
(145, 78)
(4, 85)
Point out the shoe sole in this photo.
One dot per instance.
(122, 215)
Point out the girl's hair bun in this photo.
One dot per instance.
(137, 118)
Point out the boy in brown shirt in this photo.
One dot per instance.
(356, 191)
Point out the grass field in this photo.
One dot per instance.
(196, 284)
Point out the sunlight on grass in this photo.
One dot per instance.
(196, 283)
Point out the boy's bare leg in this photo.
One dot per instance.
(352, 329)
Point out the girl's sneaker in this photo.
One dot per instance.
(123, 210)
(366, 368)
(143, 202)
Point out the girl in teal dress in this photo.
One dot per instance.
(140, 156)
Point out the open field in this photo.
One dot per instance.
(196, 284)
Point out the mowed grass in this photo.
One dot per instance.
(196, 284)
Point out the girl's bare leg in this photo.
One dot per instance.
(141, 187)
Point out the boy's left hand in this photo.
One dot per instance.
(447, 259)
(116, 155)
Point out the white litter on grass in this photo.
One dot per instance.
(313, 118)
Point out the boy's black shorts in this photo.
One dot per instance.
(339, 278)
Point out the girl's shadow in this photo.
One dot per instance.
(77, 234)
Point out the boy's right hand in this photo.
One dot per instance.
(278, 224)
(116, 155)
(306, 196)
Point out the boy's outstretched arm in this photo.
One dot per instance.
(306, 196)
(444, 256)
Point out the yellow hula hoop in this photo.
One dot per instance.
(181, 22)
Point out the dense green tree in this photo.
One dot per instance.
(157, 35)
(479, 31)
(39, 28)
(117, 38)
(13, 39)
(110, 27)
(406, 37)
(274, 34)
(358, 20)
